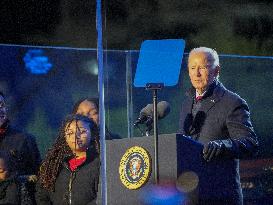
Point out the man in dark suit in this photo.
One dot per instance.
(219, 119)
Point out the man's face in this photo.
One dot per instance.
(3, 170)
(3, 111)
(89, 110)
(78, 136)
(200, 71)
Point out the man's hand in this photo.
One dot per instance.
(213, 149)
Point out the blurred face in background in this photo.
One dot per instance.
(201, 71)
(3, 170)
(78, 136)
(90, 110)
(3, 111)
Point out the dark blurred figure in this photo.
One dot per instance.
(69, 173)
(14, 189)
(219, 119)
(89, 107)
(22, 147)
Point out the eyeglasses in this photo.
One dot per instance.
(81, 132)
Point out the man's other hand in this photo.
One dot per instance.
(213, 149)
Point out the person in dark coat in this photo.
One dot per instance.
(14, 189)
(69, 173)
(21, 146)
(220, 120)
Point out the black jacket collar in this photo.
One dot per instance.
(91, 154)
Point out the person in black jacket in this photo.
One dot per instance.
(8, 188)
(69, 173)
(14, 189)
(21, 146)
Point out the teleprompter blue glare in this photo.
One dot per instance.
(159, 62)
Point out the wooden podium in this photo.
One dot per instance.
(176, 155)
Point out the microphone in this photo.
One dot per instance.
(163, 109)
(146, 114)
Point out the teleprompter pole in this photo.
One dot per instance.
(154, 87)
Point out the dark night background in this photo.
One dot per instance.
(231, 26)
(236, 27)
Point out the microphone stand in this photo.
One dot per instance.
(142, 133)
(148, 129)
(154, 87)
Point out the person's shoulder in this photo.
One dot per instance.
(233, 98)
(97, 164)
(16, 133)
(96, 160)
(92, 165)
(13, 132)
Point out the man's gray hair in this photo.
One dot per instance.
(213, 56)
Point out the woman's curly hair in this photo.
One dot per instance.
(60, 150)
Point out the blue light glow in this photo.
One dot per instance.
(36, 62)
(163, 194)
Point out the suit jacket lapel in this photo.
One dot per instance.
(208, 102)
(211, 100)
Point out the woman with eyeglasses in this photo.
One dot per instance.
(69, 173)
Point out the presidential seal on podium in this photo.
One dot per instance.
(135, 167)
